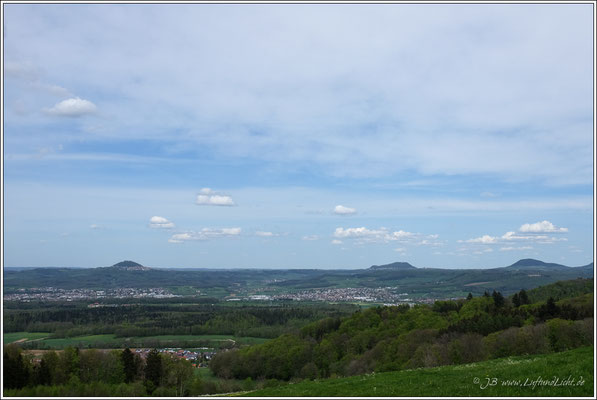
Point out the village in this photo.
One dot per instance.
(199, 358)
(58, 294)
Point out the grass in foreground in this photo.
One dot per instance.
(512, 376)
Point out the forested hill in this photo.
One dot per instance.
(382, 339)
(396, 265)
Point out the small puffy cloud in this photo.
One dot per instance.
(381, 235)
(514, 236)
(539, 232)
(208, 197)
(336, 241)
(223, 232)
(400, 249)
(310, 237)
(264, 234)
(180, 237)
(73, 107)
(485, 239)
(205, 234)
(357, 232)
(542, 227)
(341, 210)
(160, 223)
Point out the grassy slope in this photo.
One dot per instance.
(458, 380)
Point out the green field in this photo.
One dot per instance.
(111, 341)
(16, 336)
(500, 377)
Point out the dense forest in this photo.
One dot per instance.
(393, 338)
(171, 317)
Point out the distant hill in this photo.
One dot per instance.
(130, 266)
(396, 265)
(586, 268)
(530, 263)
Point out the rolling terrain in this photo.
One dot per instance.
(401, 277)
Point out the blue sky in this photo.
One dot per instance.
(318, 136)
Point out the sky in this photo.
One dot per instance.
(297, 136)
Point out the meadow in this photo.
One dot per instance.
(565, 374)
(43, 341)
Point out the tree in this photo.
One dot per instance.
(16, 371)
(153, 369)
(178, 374)
(128, 362)
(551, 307)
(486, 294)
(498, 299)
(50, 359)
(524, 298)
(516, 300)
(470, 296)
(41, 373)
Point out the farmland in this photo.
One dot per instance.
(42, 340)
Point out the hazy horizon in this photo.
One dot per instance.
(279, 135)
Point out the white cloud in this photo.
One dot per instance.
(160, 223)
(94, 226)
(208, 197)
(536, 233)
(205, 234)
(510, 236)
(222, 232)
(357, 232)
(485, 239)
(264, 234)
(512, 248)
(542, 227)
(400, 249)
(310, 237)
(381, 235)
(341, 210)
(336, 241)
(73, 107)
(180, 237)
